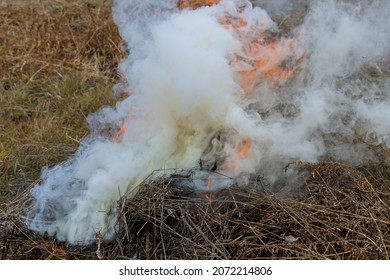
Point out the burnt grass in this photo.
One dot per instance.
(56, 54)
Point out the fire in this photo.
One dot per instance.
(229, 166)
(122, 129)
(258, 59)
(239, 155)
(243, 148)
(207, 195)
(188, 70)
(268, 62)
(194, 4)
(261, 60)
(52, 249)
(119, 133)
(58, 252)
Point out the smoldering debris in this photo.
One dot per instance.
(273, 97)
(340, 213)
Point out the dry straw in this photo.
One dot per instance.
(339, 212)
(41, 38)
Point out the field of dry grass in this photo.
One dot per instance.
(58, 63)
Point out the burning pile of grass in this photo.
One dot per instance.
(339, 213)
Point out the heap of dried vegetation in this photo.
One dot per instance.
(58, 62)
(340, 213)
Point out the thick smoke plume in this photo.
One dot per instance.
(222, 86)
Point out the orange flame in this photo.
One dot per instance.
(230, 166)
(194, 4)
(268, 62)
(262, 60)
(58, 251)
(207, 195)
(243, 149)
(122, 129)
(119, 133)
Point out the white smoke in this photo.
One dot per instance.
(188, 101)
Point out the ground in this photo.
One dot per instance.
(58, 62)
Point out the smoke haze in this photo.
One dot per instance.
(214, 84)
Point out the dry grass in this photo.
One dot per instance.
(58, 63)
(49, 38)
(341, 216)
(342, 213)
